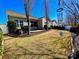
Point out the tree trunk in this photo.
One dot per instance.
(27, 15)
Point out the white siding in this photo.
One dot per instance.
(25, 23)
(54, 24)
(43, 22)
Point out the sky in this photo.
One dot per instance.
(36, 11)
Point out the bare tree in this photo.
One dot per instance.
(72, 8)
(46, 11)
(69, 20)
(28, 5)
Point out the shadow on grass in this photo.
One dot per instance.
(25, 53)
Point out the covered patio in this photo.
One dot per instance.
(36, 25)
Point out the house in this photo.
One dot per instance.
(42, 21)
(54, 23)
(21, 20)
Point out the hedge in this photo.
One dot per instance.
(58, 27)
(75, 30)
(0, 41)
(11, 26)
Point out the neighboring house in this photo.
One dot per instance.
(54, 23)
(42, 22)
(4, 29)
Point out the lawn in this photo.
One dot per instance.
(47, 45)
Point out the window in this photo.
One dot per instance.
(32, 24)
(21, 23)
(17, 23)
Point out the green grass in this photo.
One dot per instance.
(48, 45)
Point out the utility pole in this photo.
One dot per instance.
(26, 5)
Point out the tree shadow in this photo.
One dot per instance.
(27, 53)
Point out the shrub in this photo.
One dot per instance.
(51, 27)
(62, 28)
(45, 27)
(75, 30)
(0, 41)
(24, 29)
(11, 26)
(18, 31)
(0, 34)
(58, 27)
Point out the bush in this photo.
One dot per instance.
(0, 41)
(75, 30)
(11, 26)
(45, 27)
(51, 27)
(0, 34)
(18, 31)
(24, 29)
(55, 27)
(58, 27)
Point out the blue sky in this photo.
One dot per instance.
(17, 6)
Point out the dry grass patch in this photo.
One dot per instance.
(48, 45)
